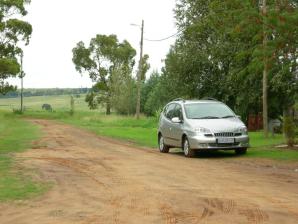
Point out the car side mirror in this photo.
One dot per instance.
(176, 120)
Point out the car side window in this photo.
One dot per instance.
(178, 112)
(170, 111)
(165, 110)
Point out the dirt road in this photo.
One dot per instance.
(97, 180)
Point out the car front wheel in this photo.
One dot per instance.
(163, 148)
(188, 152)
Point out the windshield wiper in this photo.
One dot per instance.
(207, 117)
(228, 116)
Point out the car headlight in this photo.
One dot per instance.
(202, 131)
(243, 130)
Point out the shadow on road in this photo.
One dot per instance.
(209, 154)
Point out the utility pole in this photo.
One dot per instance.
(139, 74)
(22, 76)
(265, 71)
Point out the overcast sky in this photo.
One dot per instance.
(59, 24)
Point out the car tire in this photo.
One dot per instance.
(163, 148)
(188, 152)
(241, 151)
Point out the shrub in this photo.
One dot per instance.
(17, 111)
(289, 130)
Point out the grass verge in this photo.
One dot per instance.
(15, 136)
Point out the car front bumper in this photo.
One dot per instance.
(203, 142)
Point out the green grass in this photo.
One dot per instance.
(257, 140)
(16, 136)
(273, 153)
(35, 103)
(143, 132)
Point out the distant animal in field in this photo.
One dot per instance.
(47, 107)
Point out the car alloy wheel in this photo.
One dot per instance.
(162, 147)
(188, 152)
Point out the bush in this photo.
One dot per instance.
(289, 130)
(17, 111)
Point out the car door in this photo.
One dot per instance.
(176, 129)
(167, 125)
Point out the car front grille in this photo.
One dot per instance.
(224, 134)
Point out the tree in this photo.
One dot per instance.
(147, 88)
(124, 92)
(141, 77)
(238, 52)
(145, 67)
(104, 57)
(12, 31)
(270, 27)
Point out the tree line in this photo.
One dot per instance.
(223, 50)
(46, 92)
(241, 52)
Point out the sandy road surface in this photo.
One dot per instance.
(97, 180)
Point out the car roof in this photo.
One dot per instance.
(194, 101)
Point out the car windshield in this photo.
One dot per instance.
(207, 111)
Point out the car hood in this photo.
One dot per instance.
(218, 125)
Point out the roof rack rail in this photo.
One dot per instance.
(178, 99)
(209, 98)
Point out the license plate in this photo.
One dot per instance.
(225, 140)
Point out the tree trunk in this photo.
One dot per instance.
(265, 100)
(265, 74)
(289, 126)
(108, 109)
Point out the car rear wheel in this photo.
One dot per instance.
(188, 152)
(241, 151)
(163, 148)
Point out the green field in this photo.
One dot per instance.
(35, 103)
(16, 136)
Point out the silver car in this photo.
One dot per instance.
(201, 125)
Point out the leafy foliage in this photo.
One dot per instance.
(12, 31)
(101, 60)
(220, 54)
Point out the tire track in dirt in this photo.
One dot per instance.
(74, 165)
(254, 216)
(224, 206)
(214, 207)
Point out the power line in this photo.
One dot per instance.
(163, 39)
